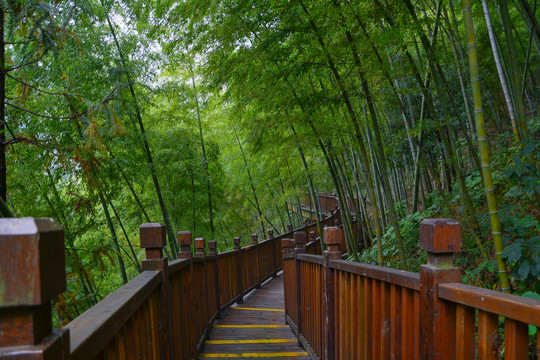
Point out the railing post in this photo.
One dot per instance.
(289, 227)
(199, 286)
(274, 253)
(441, 238)
(300, 248)
(286, 246)
(184, 240)
(238, 249)
(32, 273)
(153, 239)
(212, 253)
(199, 248)
(255, 243)
(332, 239)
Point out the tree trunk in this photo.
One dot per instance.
(501, 73)
(261, 221)
(483, 146)
(170, 233)
(206, 171)
(114, 238)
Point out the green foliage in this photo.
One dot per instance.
(524, 173)
(410, 230)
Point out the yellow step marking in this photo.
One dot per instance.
(246, 308)
(256, 355)
(259, 341)
(251, 326)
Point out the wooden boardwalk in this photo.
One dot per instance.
(255, 329)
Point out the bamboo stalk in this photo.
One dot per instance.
(483, 146)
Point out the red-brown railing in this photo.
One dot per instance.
(163, 313)
(345, 310)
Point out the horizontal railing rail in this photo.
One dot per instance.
(346, 310)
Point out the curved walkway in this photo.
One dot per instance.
(255, 329)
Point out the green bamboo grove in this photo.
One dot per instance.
(228, 118)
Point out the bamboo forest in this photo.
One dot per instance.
(229, 118)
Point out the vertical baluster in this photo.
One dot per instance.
(257, 250)
(488, 336)
(274, 252)
(516, 338)
(465, 329)
(212, 254)
(396, 311)
(238, 249)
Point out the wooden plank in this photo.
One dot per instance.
(256, 332)
(398, 277)
(407, 324)
(177, 265)
(416, 328)
(90, 332)
(347, 315)
(376, 318)
(386, 324)
(360, 298)
(510, 306)
(488, 336)
(368, 318)
(395, 315)
(465, 332)
(256, 355)
(516, 337)
(316, 259)
(355, 297)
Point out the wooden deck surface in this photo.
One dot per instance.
(255, 329)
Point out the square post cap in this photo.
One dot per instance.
(254, 239)
(184, 240)
(236, 241)
(153, 235)
(440, 235)
(212, 248)
(32, 261)
(199, 247)
(332, 235)
(300, 239)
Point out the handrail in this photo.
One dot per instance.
(102, 322)
(402, 278)
(163, 313)
(342, 309)
(510, 306)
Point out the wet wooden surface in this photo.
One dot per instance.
(255, 329)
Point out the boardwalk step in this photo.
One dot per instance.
(255, 329)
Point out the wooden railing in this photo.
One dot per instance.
(345, 310)
(163, 313)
